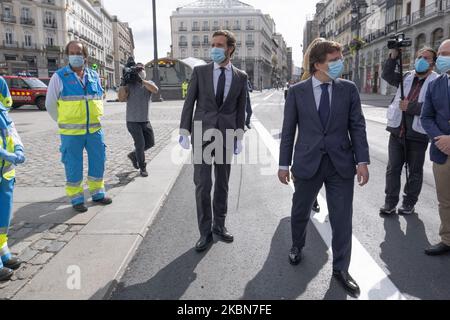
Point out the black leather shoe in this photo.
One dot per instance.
(437, 250)
(81, 208)
(143, 171)
(5, 274)
(406, 210)
(203, 243)
(350, 285)
(248, 126)
(316, 207)
(133, 159)
(223, 234)
(13, 263)
(105, 201)
(388, 209)
(295, 256)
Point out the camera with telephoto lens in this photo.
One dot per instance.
(130, 74)
(399, 41)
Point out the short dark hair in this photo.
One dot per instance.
(85, 51)
(231, 39)
(320, 51)
(429, 49)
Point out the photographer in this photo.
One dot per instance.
(137, 93)
(408, 142)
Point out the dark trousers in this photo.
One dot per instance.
(340, 206)
(144, 139)
(203, 186)
(416, 151)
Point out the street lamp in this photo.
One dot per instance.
(357, 5)
(156, 97)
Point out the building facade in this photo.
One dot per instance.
(123, 46)
(258, 46)
(32, 36)
(426, 22)
(85, 24)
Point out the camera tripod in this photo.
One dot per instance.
(403, 130)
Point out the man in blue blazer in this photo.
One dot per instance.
(435, 120)
(331, 148)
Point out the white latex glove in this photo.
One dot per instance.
(184, 142)
(238, 147)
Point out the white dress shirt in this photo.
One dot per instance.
(228, 78)
(318, 90)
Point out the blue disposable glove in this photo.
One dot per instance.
(184, 142)
(238, 147)
(7, 156)
(20, 157)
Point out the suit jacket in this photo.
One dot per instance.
(344, 138)
(436, 115)
(230, 115)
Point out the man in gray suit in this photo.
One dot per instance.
(217, 130)
(331, 148)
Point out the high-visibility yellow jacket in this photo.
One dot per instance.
(80, 107)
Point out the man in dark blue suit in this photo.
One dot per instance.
(331, 148)
(435, 120)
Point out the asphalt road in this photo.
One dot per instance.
(256, 266)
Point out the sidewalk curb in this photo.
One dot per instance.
(102, 256)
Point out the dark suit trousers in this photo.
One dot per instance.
(203, 186)
(416, 151)
(340, 206)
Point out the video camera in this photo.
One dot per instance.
(130, 74)
(399, 41)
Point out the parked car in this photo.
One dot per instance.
(45, 80)
(27, 91)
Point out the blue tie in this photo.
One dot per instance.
(324, 107)
(220, 93)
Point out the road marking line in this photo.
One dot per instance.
(374, 283)
(269, 96)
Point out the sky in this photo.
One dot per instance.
(289, 15)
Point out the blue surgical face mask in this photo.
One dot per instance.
(443, 64)
(76, 61)
(218, 55)
(335, 69)
(422, 65)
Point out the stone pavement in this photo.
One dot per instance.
(43, 222)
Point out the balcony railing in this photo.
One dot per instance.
(206, 28)
(9, 19)
(52, 2)
(29, 45)
(250, 28)
(215, 28)
(237, 28)
(12, 44)
(27, 21)
(250, 43)
(196, 43)
(52, 48)
(205, 44)
(182, 44)
(195, 28)
(182, 29)
(50, 24)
